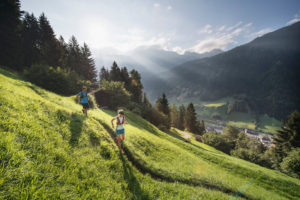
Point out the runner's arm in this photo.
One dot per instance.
(78, 98)
(94, 91)
(112, 122)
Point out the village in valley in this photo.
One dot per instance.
(265, 138)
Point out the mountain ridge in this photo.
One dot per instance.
(264, 70)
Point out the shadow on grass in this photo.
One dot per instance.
(177, 136)
(133, 183)
(94, 139)
(10, 73)
(37, 90)
(76, 128)
(170, 133)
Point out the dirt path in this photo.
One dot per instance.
(186, 135)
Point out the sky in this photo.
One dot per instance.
(174, 25)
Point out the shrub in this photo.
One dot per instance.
(57, 80)
(162, 127)
(198, 138)
(231, 132)
(114, 95)
(247, 154)
(291, 163)
(218, 141)
(92, 101)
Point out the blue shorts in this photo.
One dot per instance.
(121, 131)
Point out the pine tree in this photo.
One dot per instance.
(162, 105)
(73, 55)
(191, 118)
(146, 102)
(174, 116)
(30, 35)
(104, 74)
(10, 40)
(288, 137)
(115, 72)
(63, 49)
(136, 87)
(202, 127)
(87, 67)
(125, 78)
(48, 42)
(181, 117)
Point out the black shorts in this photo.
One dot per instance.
(85, 105)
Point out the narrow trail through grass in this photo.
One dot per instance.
(49, 150)
(159, 177)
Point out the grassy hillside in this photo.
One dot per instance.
(49, 150)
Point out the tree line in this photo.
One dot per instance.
(29, 44)
(120, 88)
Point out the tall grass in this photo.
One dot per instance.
(49, 150)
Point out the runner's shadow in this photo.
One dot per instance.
(76, 128)
(133, 183)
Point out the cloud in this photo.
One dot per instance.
(261, 32)
(219, 38)
(235, 26)
(295, 19)
(178, 50)
(156, 5)
(210, 44)
(135, 37)
(222, 28)
(292, 21)
(169, 8)
(206, 29)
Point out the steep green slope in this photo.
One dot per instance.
(173, 159)
(49, 150)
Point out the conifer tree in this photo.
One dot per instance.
(49, 45)
(10, 40)
(162, 104)
(191, 118)
(31, 37)
(87, 68)
(115, 72)
(146, 101)
(136, 87)
(174, 116)
(63, 49)
(73, 55)
(125, 78)
(104, 74)
(181, 117)
(288, 137)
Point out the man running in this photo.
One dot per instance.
(82, 98)
(120, 131)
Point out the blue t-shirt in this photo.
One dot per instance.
(83, 97)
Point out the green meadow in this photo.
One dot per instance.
(212, 110)
(50, 150)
